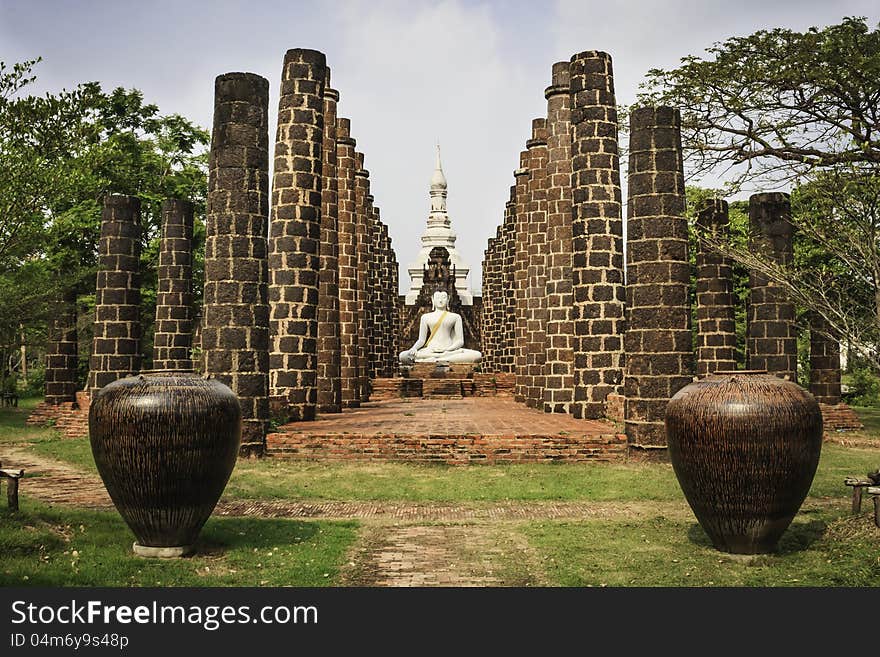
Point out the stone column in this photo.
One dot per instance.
(487, 329)
(824, 362)
(536, 276)
(597, 236)
(374, 303)
(61, 355)
(520, 276)
(295, 236)
(772, 340)
(394, 311)
(509, 268)
(362, 230)
(235, 329)
(348, 263)
(172, 340)
(116, 349)
(558, 386)
(716, 325)
(329, 345)
(658, 343)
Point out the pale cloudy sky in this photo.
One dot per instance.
(469, 73)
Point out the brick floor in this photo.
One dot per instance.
(454, 431)
(482, 416)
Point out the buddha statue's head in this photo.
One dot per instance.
(440, 300)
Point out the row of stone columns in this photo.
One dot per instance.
(328, 274)
(575, 331)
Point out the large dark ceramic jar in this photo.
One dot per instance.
(745, 446)
(165, 444)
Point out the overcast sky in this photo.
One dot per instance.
(471, 74)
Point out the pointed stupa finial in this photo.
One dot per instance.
(438, 180)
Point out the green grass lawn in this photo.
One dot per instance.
(823, 547)
(44, 546)
(818, 549)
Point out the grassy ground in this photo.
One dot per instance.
(818, 549)
(275, 479)
(662, 547)
(45, 546)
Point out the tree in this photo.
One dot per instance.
(59, 155)
(778, 103)
(781, 107)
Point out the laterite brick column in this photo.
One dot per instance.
(61, 356)
(772, 340)
(116, 349)
(520, 276)
(235, 330)
(329, 345)
(172, 341)
(597, 236)
(824, 362)
(658, 342)
(509, 268)
(295, 236)
(559, 382)
(487, 326)
(395, 303)
(348, 263)
(536, 276)
(716, 325)
(362, 230)
(374, 295)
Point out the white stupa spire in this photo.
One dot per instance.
(439, 233)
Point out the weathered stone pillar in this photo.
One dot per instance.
(487, 328)
(348, 263)
(235, 330)
(329, 345)
(116, 348)
(536, 276)
(509, 268)
(172, 340)
(394, 311)
(294, 237)
(362, 230)
(658, 343)
(597, 236)
(61, 355)
(772, 340)
(374, 287)
(559, 384)
(824, 362)
(520, 276)
(716, 324)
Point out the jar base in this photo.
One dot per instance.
(173, 552)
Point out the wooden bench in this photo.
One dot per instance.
(12, 477)
(867, 486)
(10, 399)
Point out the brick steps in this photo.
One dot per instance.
(840, 417)
(452, 450)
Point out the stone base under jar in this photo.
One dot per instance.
(173, 552)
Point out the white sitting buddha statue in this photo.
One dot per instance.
(441, 337)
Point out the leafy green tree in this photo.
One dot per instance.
(801, 109)
(778, 103)
(61, 154)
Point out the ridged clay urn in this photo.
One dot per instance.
(165, 444)
(745, 446)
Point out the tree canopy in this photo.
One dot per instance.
(778, 103)
(61, 153)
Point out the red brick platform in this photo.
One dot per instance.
(455, 431)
